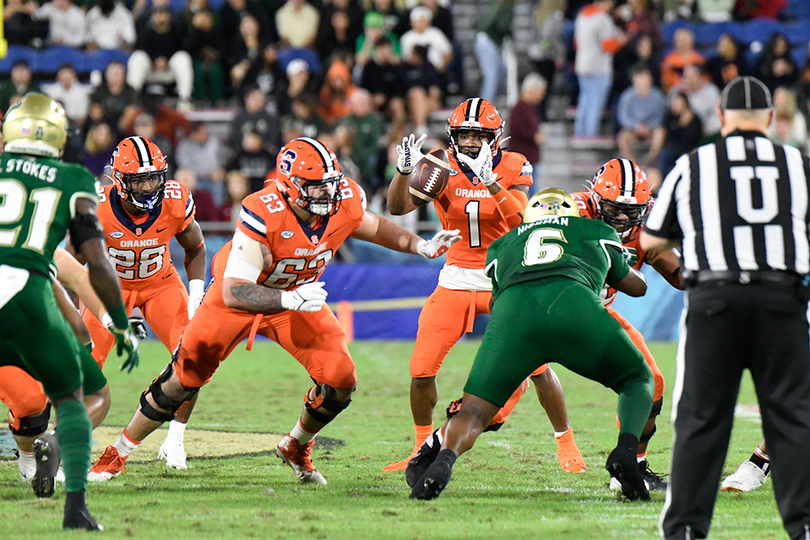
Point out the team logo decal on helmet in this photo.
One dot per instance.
(137, 160)
(475, 114)
(550, 202)
(620, 194)
(311, 175)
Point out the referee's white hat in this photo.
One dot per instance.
(746, 93)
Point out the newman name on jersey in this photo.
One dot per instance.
(139, 246)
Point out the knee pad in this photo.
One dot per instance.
(325, 399)
(656, 408)
(162, 400)
(645, 437)
(31, 426)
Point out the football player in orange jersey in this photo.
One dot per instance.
(140, 212)
(484, 198)
(620, 196)
(266, 282)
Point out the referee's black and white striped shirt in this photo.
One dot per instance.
(740, 204)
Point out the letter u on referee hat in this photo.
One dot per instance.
(746, 93)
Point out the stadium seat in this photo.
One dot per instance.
(799, 55)
(51, 59)
(307, 55)
(798, 33)
(752, 59)
(668, 29)
(16, 53)
(797, 9)
(98, 60)
(707, 34)
(756, 30)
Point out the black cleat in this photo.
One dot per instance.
(47, 457)
(424, 457)
(433, 481)
(81, 519)
(654, 481)
(622, 465)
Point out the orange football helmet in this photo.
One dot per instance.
(475, 114)
(311, 175)
(137, 159)
(621, 196)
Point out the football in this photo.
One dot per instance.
(429, 177)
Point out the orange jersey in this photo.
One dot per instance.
(465, 204)
(300, 254)
(139, 247)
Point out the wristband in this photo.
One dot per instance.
(196, 287)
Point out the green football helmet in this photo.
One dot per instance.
(550, 202)
(35, 125)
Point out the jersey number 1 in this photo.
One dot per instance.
(12, 208)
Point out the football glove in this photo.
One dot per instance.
(196, 291)
(438, 245)
(126, 343)
(138, 327)
(482, 165)
(409, 153)
(309, 298)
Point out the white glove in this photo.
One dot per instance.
(309, 297)
(409, 153)
(439, 244)
(482, 165)
(196, 290)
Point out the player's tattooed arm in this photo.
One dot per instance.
(240, 290)
(251, 297)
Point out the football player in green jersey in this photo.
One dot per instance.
(41, 198)
(546, 277)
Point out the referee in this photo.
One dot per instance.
(740, 209)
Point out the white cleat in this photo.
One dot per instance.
(27, 470)
(174, 454)
(747, 478)
(298, 457)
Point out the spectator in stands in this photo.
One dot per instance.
(394, 19)
(266, 73)
(640, 111)
(336, 34)
(703, 98)
(207, 210)
(255, 117)
(728, 63)
(714, 11)
(525, 129)
(233, 11)
(71, 93)
(789, 125)
(679, 9)
(110, 25)
(421, 82)
(114, 101)
(381, 78)
(804, 85)
(65, 23)
(303, 120)
(640, 19)
(299, 81)
(98, 147)
(776, 65)
(642, 51)
(368, 128)
(252, 160)
(758, 9)
(597, 39)
(335, 94)
(245, 47)
(441, 17)
(19, 83)
(161, 48)
(166, 120)
(237, 188)
(682, 131)
(496, 26)
(297, 24)
(439, 48)
(342, 142)
(206, 46)
(547, 49)
(204, 156)
(373, 30)
(145, 125)
(20, 28)
(352, 9)
(683, 55)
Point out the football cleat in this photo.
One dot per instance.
(47, 456)
(623, 467)
(652, 480)
(27, 466)
(173, 452)
(81, 520)
(424, 457)
(748, 477)
(298, 457)
(107, 466)
(433, 482)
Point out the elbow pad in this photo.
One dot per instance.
(83, 227)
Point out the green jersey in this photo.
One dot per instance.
(37, 202)
(586, 250)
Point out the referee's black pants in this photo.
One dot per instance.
(729, 327)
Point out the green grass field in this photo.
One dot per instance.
(509, 486)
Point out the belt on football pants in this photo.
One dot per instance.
(744, 277)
